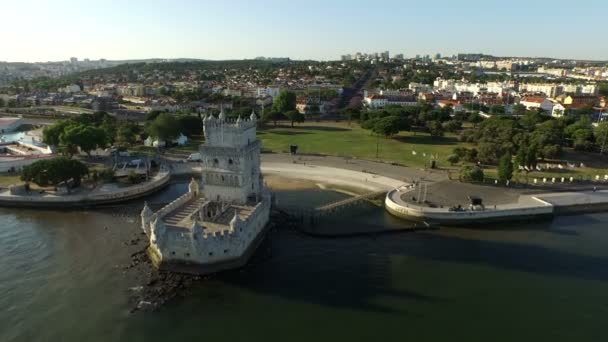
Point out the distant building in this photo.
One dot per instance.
(72, 88)
(532, 102)
(375, 101)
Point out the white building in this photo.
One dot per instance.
(532, 102)
(72, 88)
(219, 223)
(553, 107)
(180, 141)
(376, 101)
(268, 91)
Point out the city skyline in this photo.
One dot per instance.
(237, 29)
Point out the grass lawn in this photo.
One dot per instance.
(9, 179)
(340, 139)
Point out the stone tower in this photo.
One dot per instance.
(231, 160)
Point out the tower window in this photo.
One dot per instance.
(230, 161)
(215, 161)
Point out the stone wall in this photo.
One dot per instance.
(195, 246)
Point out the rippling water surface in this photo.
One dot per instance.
(61, 280)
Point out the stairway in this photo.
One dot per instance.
(179, 214)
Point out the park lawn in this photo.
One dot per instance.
(340, 139)
(9, 179)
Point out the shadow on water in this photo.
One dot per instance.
(305, 269)
(543, 224)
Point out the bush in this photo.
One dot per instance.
(466, 154)
(453, 159)
(552, 151)
(505, 168)
(471, 174)
(134, 178)
(452, 126)
(106, 175)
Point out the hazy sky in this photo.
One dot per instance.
(33, 30)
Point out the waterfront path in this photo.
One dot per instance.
(331, 175)
(100, 196)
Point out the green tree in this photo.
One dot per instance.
(284, 102)
(295, 116)
(583, 139)
(109, 125)
(191, 125)
(272, 116)
(527, 157)
(387, 126)
(471, 174)
(530, 119)
(152, 115)
(453, 159)
(489, 153)
(552, 151)
(601, 136)
(497, 109)
(505, 168)
(54, 172)
(87, 138)
(435, 128)
(51, 134)
(475, 118)
(164, 128)
(519, 109)
(126, 134)
(452, 126)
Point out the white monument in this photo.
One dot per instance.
(218, 224)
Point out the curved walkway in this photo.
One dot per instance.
(331, 175)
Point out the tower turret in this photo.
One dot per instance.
(146, 215)
(194, 187)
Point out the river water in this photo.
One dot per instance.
(61, 279)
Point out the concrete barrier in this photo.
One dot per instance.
(529, 207)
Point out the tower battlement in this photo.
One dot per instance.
(225, 132)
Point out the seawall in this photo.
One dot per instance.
(87, 200)
(528, 207)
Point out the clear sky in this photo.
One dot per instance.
(44, 30)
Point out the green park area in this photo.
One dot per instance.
(408, 148)
(350, 140)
